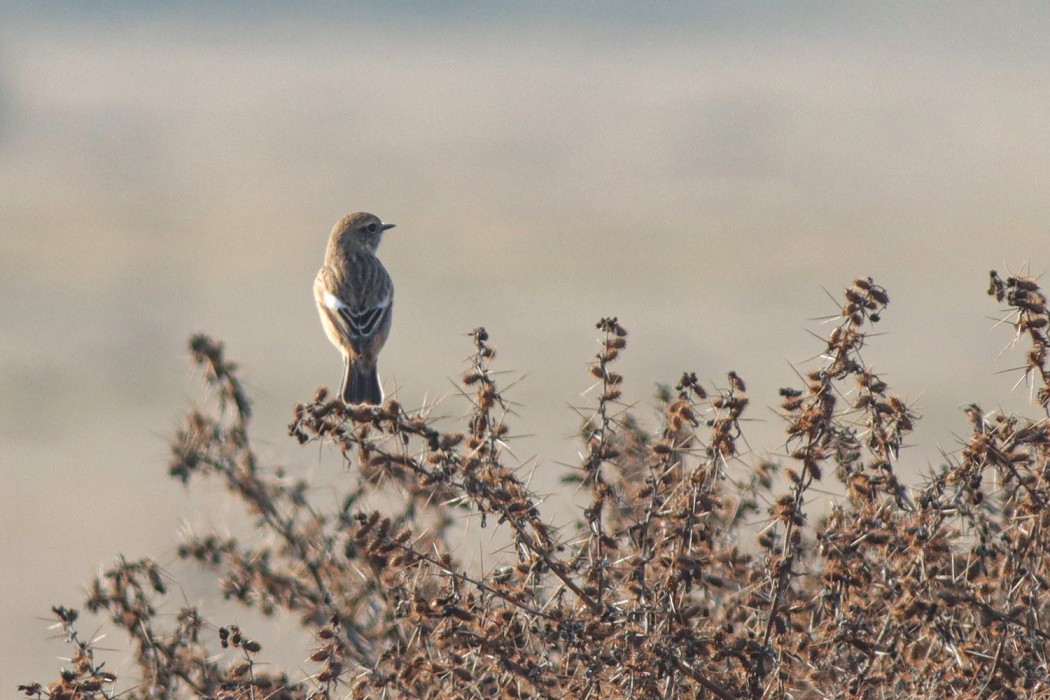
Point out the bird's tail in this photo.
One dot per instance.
(361, 384)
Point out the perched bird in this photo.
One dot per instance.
(355, 298)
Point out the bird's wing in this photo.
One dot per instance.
(358, 304)
(359, 324)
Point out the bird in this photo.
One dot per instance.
(355, 299)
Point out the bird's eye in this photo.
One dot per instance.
(371, 228)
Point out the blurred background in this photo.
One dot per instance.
(702, 171)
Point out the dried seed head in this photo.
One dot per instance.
(736, 382)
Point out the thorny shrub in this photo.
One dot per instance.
(930, 591)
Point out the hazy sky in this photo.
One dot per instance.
(702, 171)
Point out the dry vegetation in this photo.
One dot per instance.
(662, 589)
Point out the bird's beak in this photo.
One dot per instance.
(388, 226)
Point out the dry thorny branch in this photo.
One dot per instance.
(932, 591)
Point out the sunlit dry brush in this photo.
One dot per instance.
(660, 588)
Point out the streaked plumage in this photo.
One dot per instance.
(355, 299)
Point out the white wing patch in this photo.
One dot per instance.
(332, 301)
